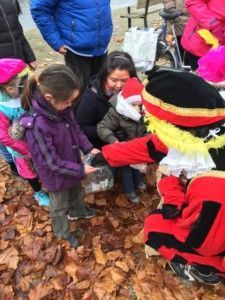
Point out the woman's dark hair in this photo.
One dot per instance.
(115, 60)
(57, 80)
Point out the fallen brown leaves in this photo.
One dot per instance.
(109, 264)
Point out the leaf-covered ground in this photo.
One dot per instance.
(109, 264)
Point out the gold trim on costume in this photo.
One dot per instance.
(214, 174)
(182, 140)
(186, 112)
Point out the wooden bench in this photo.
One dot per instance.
(142, 12)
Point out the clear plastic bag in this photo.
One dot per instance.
(136, 43)
(99, 181)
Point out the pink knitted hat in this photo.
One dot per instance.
(9, 68)
(212, 65)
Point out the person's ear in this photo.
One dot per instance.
(10, 90)
(48, 97)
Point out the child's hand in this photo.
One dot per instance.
(89, 169)
(95, 151)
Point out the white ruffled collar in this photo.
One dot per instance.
(189, 164)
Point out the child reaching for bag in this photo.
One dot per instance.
(14, 73)
(125, 114)
(55, 140)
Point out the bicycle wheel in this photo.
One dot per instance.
(165, 57)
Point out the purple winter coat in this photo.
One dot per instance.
(55, 140)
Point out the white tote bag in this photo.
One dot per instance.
(141, 44)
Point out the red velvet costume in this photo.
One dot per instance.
(203, 201)
(195, 234)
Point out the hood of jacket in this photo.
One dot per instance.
(94, 86)
(113, 101)
(43, 108)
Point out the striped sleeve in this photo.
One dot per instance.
(54, 162)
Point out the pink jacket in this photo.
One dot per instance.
(5, 139)
(205, 14)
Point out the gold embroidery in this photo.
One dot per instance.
(186, 112)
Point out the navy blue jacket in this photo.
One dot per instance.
(85, 26)
(91, 110)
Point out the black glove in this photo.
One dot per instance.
(98, 161)
(170, 211)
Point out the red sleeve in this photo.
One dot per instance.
(133, 152)
(18, 146)
(172, 191)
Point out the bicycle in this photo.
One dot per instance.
(170, 52)
(149, 47)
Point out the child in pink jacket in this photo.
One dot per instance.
(12, 76)
(204, 14)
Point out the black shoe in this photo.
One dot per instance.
(90, 213)
(209, 278)
(142, 187)
(133, 198)
(181, 270)
(73, 241)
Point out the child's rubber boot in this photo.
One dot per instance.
(42, 198)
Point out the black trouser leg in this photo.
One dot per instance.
(35, 184)
(84, 67)
(192, 60)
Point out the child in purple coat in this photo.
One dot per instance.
(55, 141)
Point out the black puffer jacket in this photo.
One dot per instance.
(12, 40)
(92, 109)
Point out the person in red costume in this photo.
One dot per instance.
(187, 124)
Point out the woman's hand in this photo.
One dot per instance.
(95, 151)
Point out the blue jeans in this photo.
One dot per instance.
(5, 153)
(131, 179)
